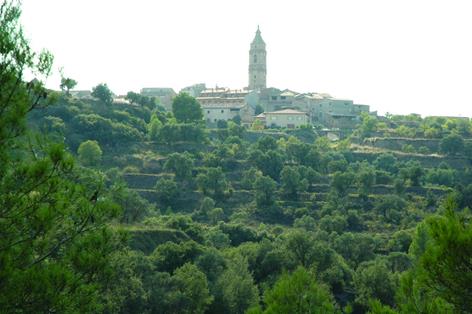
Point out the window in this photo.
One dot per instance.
(208, 111)
(255, 58)
(273, 118)
(222, 111)
(282, 97)
(274, 97)
(289, 118)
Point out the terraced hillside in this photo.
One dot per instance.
(245, 206)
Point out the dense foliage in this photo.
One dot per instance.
(163, 215)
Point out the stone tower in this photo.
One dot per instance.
(257, 63)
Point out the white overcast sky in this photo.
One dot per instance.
(398, 56)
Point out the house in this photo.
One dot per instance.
(225, 104)
(163, 94)
(286, 118)
(81, 94)
(194, 90)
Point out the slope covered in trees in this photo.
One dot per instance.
(125, 208)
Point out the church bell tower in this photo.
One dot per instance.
(257, 63)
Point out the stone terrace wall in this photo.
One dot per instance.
(427, 161)
(396, 143)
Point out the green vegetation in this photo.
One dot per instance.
(103, 93)
(163, 215)
(186, 109)
(89, 153)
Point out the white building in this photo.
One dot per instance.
(225, 104)
(287, 118)
(223, 111)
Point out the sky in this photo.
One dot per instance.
(398, 56)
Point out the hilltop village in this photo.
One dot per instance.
(270, 107)
(219, 200)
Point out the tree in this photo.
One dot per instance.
(235, 129)
(412, 172)
(237, 291)
(298, 293)
(306, 222)
(67, 84)
(167, 191)
(171, 133)
(355, 247)
(341, 182)
(103, 93)
(445, 265)
(266, 143)
(54, 239)
(386, 162)
(135, 208)
(169, 256)
(391, 207)
(213, 183)
(296, 150)
(300, 248)
(368, 125)
(249, 178)
(237, 119)
(270, 163)
(215, 215)
(257, 125)
(135, 98)
(259, 109)
(186, 108)
(192, 285)
(265, 189)
(365, 180)
(444, 287)
(452, 144)
(154, 127)
(180, 164)
(90, 153)
(373, 280)
(292, 183)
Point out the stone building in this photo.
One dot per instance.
(257, 63)
(225, 104)
(194, 90)
(163, 94)
(321, 108)
(337, 113)
(81, 94)
(287, 118)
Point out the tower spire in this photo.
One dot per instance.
(257, 62)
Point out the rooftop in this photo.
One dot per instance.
(286, 111)
(258, 38)
(218, 105)
(160, 91)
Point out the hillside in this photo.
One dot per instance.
(267, 201)
(166, 203)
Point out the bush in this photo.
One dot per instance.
(90, 153)
(452, 144)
